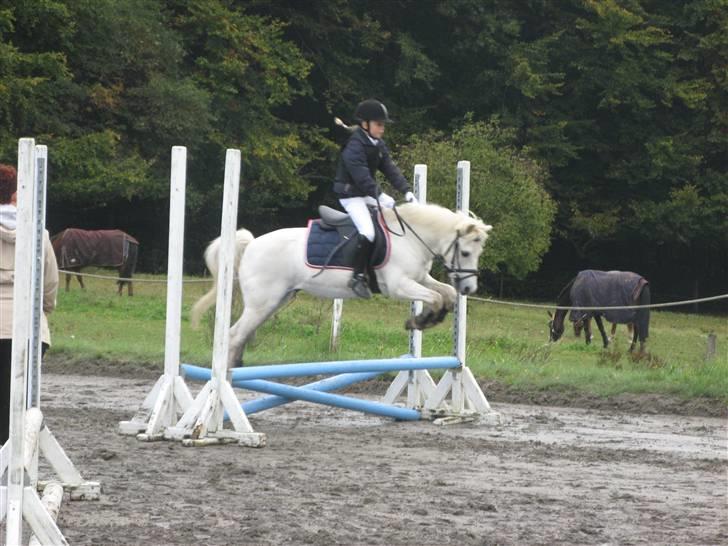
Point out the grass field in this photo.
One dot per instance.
(506, 344)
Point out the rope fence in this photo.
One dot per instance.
(129, 279)
(471, 298)
(560, 307)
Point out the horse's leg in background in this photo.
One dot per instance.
(634, 337)
(80, 279)
(600, 325)
(126, 271)
(587, 329)
(642, 320)
(68, 282)
(614, 332)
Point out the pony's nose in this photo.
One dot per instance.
(466, 290)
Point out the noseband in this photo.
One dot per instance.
(454, 268)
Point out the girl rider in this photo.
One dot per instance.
(364, 153)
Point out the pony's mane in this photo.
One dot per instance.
(439, 219)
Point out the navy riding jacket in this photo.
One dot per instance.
(360, 160)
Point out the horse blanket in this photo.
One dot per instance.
(80, 248)
(334, 247)
(593, 288)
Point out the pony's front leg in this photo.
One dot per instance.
(448, 293)
(407, 289)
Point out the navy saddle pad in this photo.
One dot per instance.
(331, 241)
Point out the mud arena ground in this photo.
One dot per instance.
(545, 475)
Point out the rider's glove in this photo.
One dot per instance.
(410, 197)
(385, 200)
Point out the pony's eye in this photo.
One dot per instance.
(465, 254)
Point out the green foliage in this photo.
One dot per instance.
(506, 190)
(620, 103)
(92, 170)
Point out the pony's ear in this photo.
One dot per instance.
(549, 314)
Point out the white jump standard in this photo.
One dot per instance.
(170, 397)
(29, 437)
(202, 422)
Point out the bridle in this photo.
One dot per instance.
(454, 268)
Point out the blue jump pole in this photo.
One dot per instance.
(197, 373)
(325, 385)
(328, 399)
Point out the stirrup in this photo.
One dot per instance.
(358, 284)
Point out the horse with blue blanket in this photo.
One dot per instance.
(591, 288)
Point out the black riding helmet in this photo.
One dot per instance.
(372, 110)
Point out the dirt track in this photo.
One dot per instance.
(545, 475)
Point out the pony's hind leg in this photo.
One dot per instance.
(244, 329)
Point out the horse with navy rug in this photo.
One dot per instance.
(78, 248)
(318, 260)
(592, 288)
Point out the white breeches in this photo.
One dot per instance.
(357, 209)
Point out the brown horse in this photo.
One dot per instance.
(79, 248)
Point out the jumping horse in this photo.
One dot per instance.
(591, 288)
(273, 268)
(78, 248)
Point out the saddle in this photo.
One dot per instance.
(331, 242)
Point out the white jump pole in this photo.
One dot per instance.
(170, 396)
(202, 422)
(467, 396)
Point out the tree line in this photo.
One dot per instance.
(597, 130)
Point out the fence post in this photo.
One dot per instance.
(711, 348)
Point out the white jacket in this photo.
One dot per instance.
(7, 277)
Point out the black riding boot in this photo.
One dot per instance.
(358, 282)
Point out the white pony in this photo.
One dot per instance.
(242, 239)
(273, 268)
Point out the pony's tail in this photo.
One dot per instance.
(242, 239)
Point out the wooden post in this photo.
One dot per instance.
(711, 348)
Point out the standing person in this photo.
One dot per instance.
(363, 155)
(8, 223)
